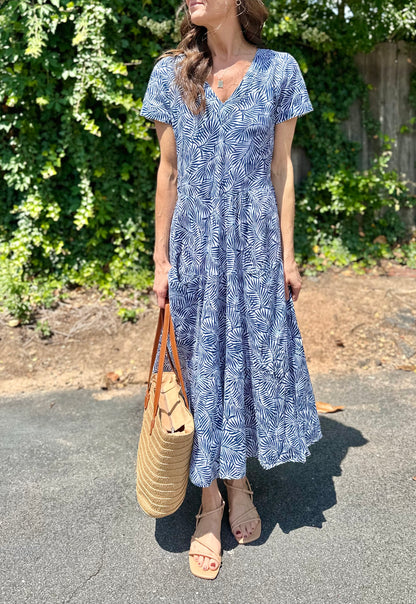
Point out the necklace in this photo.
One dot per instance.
(220, 83)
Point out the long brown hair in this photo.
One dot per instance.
(197, 60)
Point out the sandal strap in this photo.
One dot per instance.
(205, 514)
(250, 515)
(208, 553)
(249, 490)
(206, 550)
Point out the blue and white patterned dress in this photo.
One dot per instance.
(240, 349)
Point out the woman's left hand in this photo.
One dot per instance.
(292, 279)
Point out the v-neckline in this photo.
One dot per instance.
(250, 67)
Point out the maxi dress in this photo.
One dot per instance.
(239, 344)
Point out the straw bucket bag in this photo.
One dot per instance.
(167, 432)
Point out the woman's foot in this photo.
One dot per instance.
(244, 520)
(207, 536)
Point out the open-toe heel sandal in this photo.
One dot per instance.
(203, 549)
(250, 515)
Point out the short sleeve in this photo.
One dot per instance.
(157, 101)
(292, 98)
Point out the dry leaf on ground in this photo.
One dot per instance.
(327, 408)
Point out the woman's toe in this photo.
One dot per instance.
(214, 565)
(206, 564)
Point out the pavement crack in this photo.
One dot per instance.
(81, 586)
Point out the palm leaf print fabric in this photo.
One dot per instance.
(240, 348)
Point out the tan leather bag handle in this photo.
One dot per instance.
(165, 323)
(154, 353)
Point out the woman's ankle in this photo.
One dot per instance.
(211, 497)
(237, 483)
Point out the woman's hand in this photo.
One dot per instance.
(292, 279)
(160, 285)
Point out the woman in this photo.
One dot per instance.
(225, 110)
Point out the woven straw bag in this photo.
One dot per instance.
(167, 432)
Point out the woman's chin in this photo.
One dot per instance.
(198, 20)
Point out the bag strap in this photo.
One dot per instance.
(154, 353)
(176, 358)
(163, 345)
(165, 320)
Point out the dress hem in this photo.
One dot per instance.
(296, 113)
(156, 116)
(297, 458)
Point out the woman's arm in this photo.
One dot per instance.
(165, 201)
(283, 183)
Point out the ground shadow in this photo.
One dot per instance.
(291, 495)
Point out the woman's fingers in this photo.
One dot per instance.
(286, 290)
(161, 301)
(295, 291)
(293, 283)
(295, 287)
(161, 296)
(160, 285)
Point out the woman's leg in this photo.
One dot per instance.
(209, 528)
(239, 502)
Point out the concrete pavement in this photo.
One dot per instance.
(339, 528)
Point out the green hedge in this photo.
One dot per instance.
(78, 163)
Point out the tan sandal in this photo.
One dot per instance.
(250, 515)
(203, 549)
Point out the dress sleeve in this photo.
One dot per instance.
(157, 101)
(292, 98)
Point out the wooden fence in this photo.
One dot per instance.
(387, 70)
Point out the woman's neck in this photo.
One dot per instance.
(226, 41)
